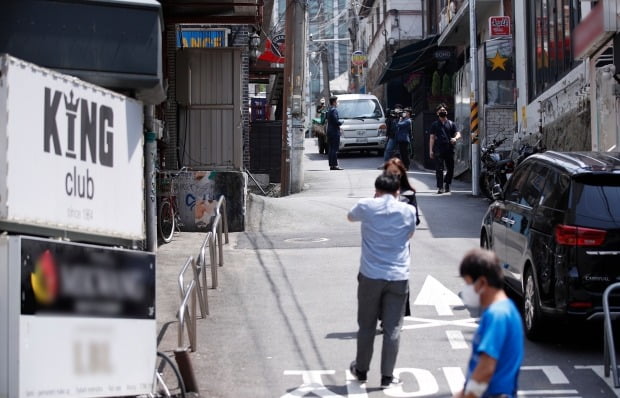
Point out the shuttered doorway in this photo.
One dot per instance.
(209, 95)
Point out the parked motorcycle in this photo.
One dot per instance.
(495, 170)
(526, 150)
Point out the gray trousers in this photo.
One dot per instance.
(376, 297)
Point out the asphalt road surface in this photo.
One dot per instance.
(282, 321)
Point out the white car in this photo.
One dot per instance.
(363, 125)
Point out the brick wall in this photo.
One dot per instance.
(498, 123)
(170, 113)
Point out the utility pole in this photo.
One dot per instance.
(324, 58)
(291, 180)
(473, 114)
(325, 73)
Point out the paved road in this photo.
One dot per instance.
(282, 320)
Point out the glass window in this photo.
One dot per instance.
(551, 23)
(534, 185)
(596, 199)
(349, 109)
(555, 194)
(514, 187)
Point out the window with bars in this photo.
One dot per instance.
(550, 57)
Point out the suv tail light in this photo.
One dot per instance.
(579, 236)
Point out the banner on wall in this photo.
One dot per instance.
(202, 38)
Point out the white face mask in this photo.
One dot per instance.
(470, 298)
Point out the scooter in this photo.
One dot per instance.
(495, 170)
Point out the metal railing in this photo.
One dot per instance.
(196, 288)
(187, 317)
(609, 350)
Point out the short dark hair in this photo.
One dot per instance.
(389, 183)
(479, 262)
(442, 105)
(332, 100)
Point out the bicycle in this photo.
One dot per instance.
(168, 218)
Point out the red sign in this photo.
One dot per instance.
(499, 26)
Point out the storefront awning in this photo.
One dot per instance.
(409, 58)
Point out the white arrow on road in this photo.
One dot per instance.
(435, 294)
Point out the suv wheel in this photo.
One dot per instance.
(532, 316)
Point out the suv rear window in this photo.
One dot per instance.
(350, 109)
(595, 199)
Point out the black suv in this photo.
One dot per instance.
(556, 229)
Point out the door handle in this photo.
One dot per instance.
(508, 220)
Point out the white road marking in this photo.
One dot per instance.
(553, 373)
(355, 389)
(456, 339)
(455, 377)
(429, 323)
(312, 383)
(436, 294)
(425, 381)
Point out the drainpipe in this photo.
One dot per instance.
(150, 149)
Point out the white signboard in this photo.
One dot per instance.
(76, 320)
(71, 154)
(85, 357)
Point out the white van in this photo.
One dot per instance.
(364, 123)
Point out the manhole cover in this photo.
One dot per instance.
(306, 240)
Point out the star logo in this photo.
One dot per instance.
(498, 62)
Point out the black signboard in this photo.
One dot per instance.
(59, 278)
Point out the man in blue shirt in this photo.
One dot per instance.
(383, 279)
(497, 347)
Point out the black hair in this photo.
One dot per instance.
(332, 100)
(442, 105)
(479, 262)
(389, 183)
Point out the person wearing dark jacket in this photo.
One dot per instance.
(403, 137)
(333, 133)
(443, 137)
(391, 122)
